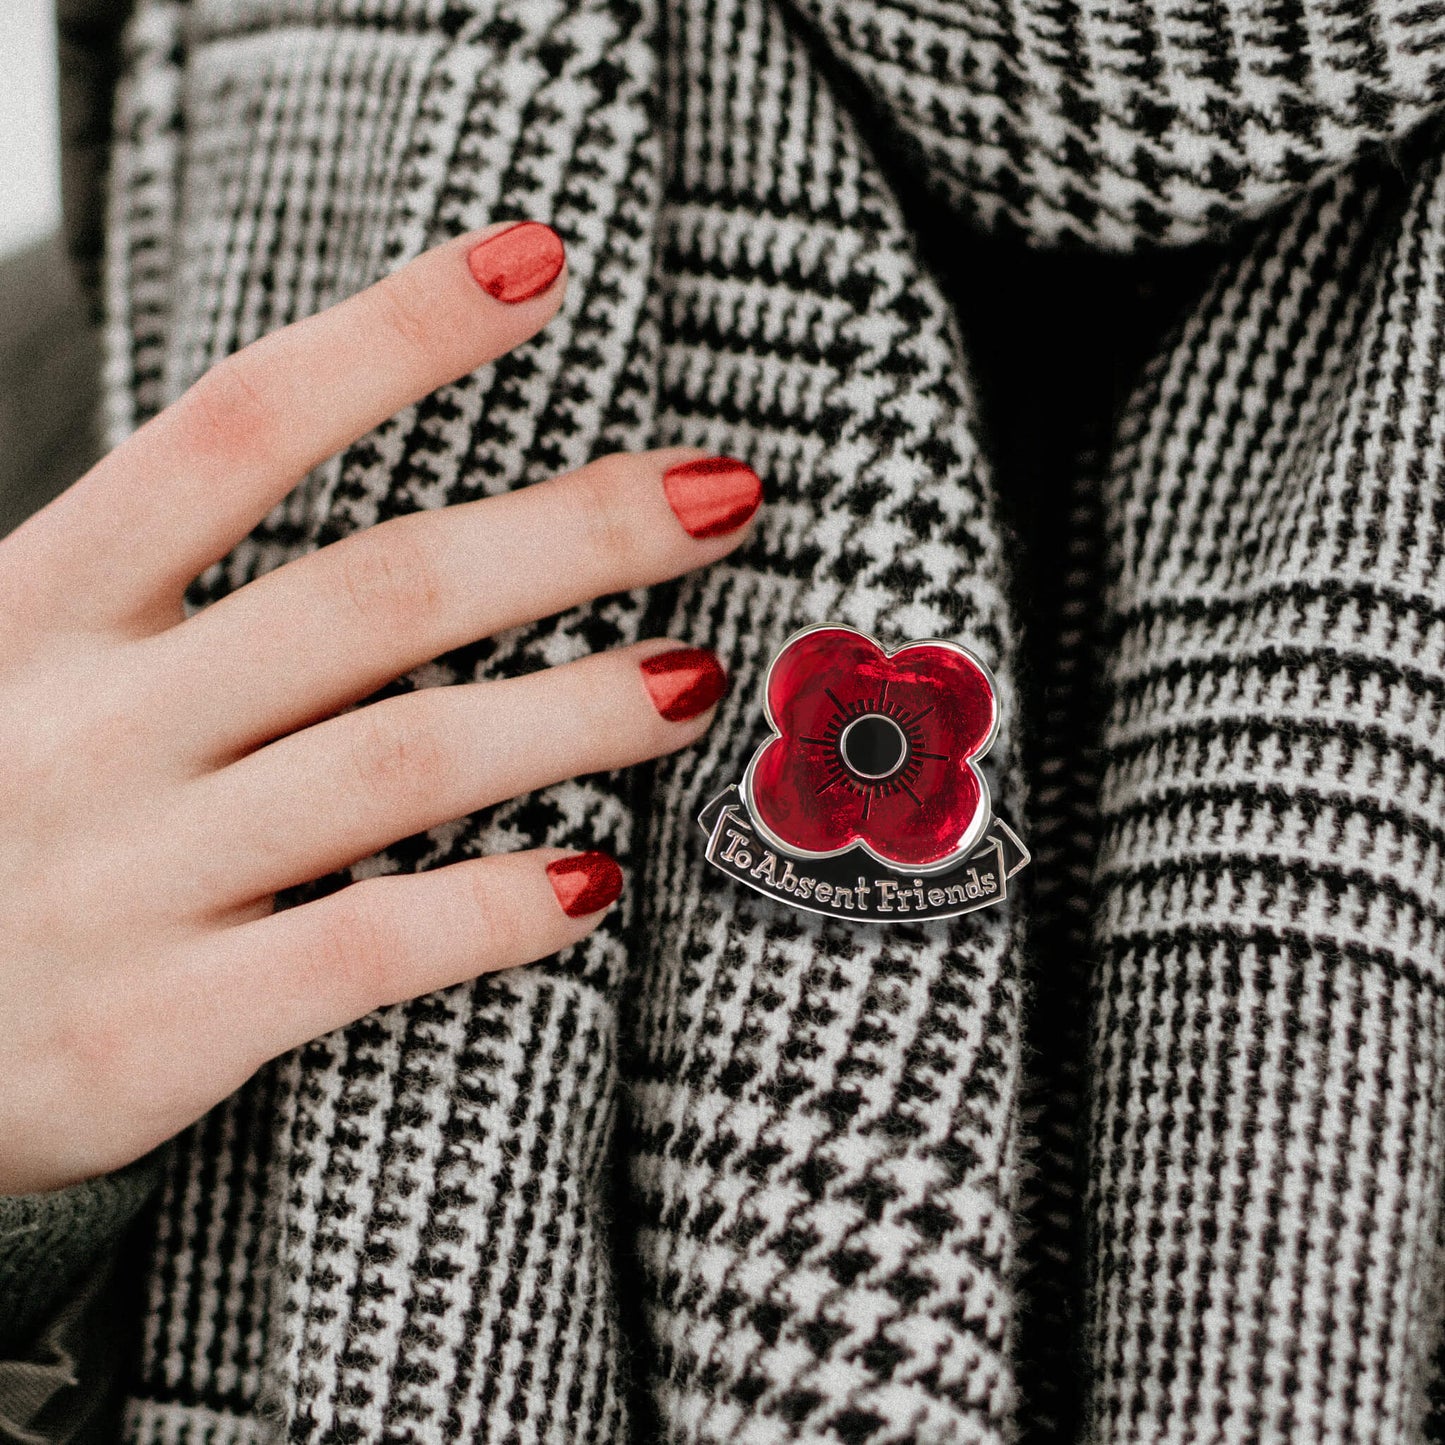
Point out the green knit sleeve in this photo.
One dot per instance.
(58, 1336)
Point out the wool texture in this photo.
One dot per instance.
(1151, 1153)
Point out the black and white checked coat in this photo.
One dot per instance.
(1152, 1154)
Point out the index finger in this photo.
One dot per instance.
(125, 541)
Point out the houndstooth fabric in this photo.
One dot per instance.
(1153, 1153)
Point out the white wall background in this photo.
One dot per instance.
(29, 124)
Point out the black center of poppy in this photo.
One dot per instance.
(873, 746)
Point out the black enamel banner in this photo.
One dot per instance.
(854, 885)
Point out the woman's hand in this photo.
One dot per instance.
(161, 777)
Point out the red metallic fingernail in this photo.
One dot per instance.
(518, 263)
(684, 682)
(585, 882)
(712, 495)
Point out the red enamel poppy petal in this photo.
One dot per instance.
(965, 703)
(792, 798)
(819, 663)
(902, 832)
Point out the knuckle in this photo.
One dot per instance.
(405, 316)
(228, 409)
(88, 1038)
(358, 947)
(70, 744)
(389, 580)
(97, 1031)
(395, 755)
(492, 918)
(608, 515)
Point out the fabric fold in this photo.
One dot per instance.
(1129, 123)
(822, 1134)
(1265, 1162)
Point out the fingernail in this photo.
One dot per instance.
(518, 263)
(712, 495)
(684, 682)
(585, 882)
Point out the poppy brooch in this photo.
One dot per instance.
(866, 802)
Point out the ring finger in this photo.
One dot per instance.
(338, 791)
